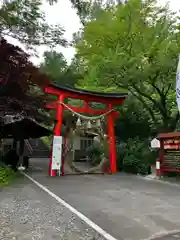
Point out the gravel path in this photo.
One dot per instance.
(28, 213)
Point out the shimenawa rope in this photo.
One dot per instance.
(86, 117)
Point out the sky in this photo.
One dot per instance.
(63, 13)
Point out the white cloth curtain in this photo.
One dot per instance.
(178, 85)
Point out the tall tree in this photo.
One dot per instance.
(54, 65)
(134, 121)
(25, 21)
(57, 69)
(21, 84)
(88, 10)
(134, 47)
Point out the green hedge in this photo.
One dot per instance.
(135, 156)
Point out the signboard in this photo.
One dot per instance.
(169, 155)
(172, 153)
(172, 144)
(155, 143)
(57, 152)
(172, 159)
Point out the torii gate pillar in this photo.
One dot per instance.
(112, 143)
(57, 129)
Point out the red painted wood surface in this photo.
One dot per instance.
(112, 143)
(171, 142)
(82, 109)
(87, 98)
(57, 129)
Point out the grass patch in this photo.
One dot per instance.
(7, 176)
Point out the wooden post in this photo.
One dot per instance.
(21, 151)
(112, 144)
(158, 168)
(15, 144)
(64, 152)
(161, 158)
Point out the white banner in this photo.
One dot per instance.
(178, 85)
(57, 153)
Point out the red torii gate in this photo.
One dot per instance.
(109, 99)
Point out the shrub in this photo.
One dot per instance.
(121, 152)
(94, 154)
(47, 141)
(7, 175)
(135, 157)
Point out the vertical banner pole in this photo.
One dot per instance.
(178, 85)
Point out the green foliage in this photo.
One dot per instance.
(47, 141)
(134, 121)
(54, 65)
(94, 154)
(57, 69)
(25, 21)
(83, 8)
(135, 156)
(88, 10)
(134, 47)
(7, 176)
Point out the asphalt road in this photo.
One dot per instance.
(28, 213)
(125, 206)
